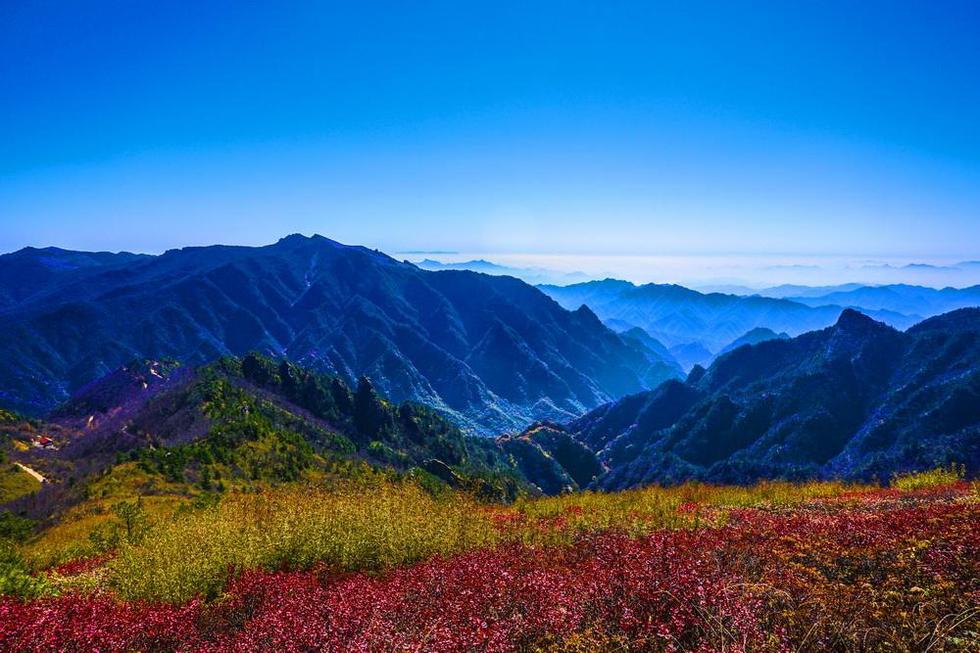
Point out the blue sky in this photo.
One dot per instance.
(607, 128)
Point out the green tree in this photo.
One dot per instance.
(341, 396)
(368, 411)
(260, 370)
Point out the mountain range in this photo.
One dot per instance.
(697, 326)
(491, 352)
(914, 301)
(857, 400)
(777, 387)
(530, 275)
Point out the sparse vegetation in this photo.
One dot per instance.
(15, 482)
(931, 478)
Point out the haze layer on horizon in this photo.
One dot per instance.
(722, 273)
(634, 131)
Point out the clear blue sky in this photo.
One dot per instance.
(606, 127)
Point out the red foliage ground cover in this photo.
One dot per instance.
(885, 574)
(81, 565)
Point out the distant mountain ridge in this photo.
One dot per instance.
(857, 400)
(31, 270)
(678, 316)
(900, 298)
(754, 337)
(491, 352)
(530, 275)
(907, 299)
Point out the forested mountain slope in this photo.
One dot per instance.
(858, 399)
(493, 353)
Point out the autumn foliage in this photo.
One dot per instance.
(802, 568)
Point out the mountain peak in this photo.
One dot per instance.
(696, 374)
(852, 320)
(587, 313)
(340, 308)
(298, 238)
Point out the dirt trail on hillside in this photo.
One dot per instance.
(33, 473)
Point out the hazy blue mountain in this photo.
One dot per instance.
(724, 288)
(477, 265)
(909, 301)
(622, 326)
(690, 354)
(754, 337)
(648, 341)
(856, 400)
(530, 275)
(693, 354)
(675, 315)
(900, 298)
(492, 352)
(777, 292)
(789, 291)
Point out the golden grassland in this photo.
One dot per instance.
(15, 482)
(347, 529)
(927, 479)
(161, 502)
(69, 537)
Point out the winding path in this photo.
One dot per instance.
(33, 473)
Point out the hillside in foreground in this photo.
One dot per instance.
(391, 567)
(170, 435)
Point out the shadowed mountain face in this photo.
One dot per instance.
(32, 270)
(491, 352)
(855, 400)
(678, 316)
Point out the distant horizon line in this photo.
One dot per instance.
(733, 273)
(398, 251)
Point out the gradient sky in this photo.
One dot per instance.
(606, 128)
